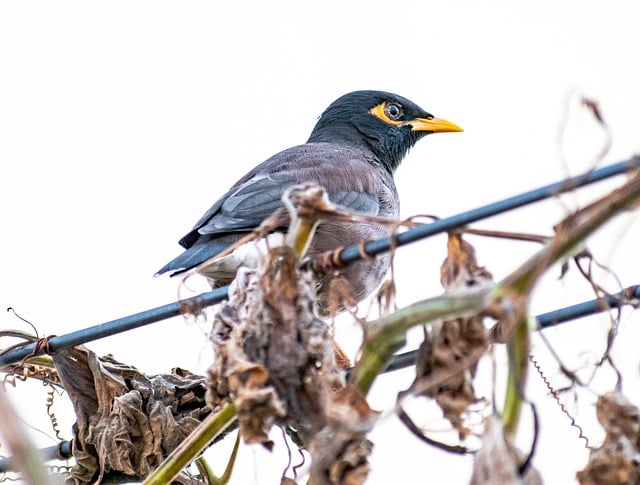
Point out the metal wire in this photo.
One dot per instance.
(352, 254)
(628, 296)
(116, 326)
(407, 359)
(61, 451)
(347, 256)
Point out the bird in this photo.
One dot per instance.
(353, 151)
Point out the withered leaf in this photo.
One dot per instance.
(449, 354)
(276, 361)
(127, 422)
(617, 460)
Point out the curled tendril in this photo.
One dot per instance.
(556, 397)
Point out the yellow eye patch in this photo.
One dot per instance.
(379, 112)
(433, 125)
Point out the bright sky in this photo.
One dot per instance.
(121, 123)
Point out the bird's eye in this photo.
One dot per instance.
(393, 111)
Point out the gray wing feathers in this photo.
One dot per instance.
(351, 181)
(192, 257)
(357, 201)
(249, 205)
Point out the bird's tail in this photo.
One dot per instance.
(192, 257)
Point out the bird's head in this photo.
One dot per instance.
(385, 123)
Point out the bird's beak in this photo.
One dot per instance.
(433, 125)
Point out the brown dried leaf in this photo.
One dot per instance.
(275, 360)
(342, 359)
(127, 422)
(460, 268)
(339, 296)
(449, 354)
(617, 461)
(340, 449)
(497, 462)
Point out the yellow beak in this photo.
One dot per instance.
(434, 125)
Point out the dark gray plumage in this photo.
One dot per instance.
(352, 152)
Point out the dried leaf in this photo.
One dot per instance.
(449, 354)
(276, 361)
(497, 462)
(340, 449)
(460, 269)
(617, 461)
(339, 296)
(127, 422)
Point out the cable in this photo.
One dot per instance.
(347, 256)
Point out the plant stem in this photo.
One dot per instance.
(385, 336)
(192, 446)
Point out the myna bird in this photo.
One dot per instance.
(352, 152)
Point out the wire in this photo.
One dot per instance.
(346, 256)
(549, 319)
(406, 359)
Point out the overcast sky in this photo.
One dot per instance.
(122, 122)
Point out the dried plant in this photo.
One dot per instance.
(127, 422)
(276, 364)
(498, 461)
(617, 460)
(275, 360)
(449, 354)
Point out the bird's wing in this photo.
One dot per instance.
(259, 197)
(258, 194)
(248, 205)
(349, 178)
(357, 201)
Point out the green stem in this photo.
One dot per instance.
(385, 336)
(192, 446)
(571, 232)
(518, 352)
(206, 471)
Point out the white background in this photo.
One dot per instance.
(120, 123)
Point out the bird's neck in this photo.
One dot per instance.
(388, 154)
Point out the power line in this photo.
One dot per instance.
(61, 451)
(628, 296)
(352, 254)
(89, 334)
(407, 359)
(347, 256)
